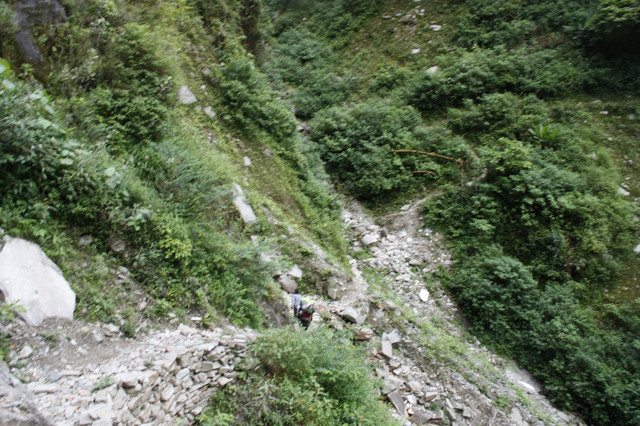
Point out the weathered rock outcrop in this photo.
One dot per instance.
(31, 13)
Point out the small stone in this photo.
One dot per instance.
(432, 70)
(527, 387)
(386, 349)
(183, 374)
(119, 400)
(415, 386)
(25, 352)
(450, 412)
(85, 240)
(117, 245)
(393, 337)
(424, 295)
(435, 27)
(287, 283)
(368, 240)
(430, 396)
(247, 161)
(420, 417)
(54, 377)
(391, 383)
(352, 315)
(167, 393)
(363, 334)
(415, 51)
(223, 381)
(48, 388)
(112, 328)
(128, 380)
(209, 111)
(332, 292)
(207, 366)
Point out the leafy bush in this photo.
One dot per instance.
(472, 74)
(36, 158)
(250, 103)
(315, 378)
(356, 145)
(325, 91)
(507, 22)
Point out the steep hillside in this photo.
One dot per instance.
(523, 115)
(185, 161)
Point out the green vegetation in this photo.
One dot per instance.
(105, 150)
(316, 378)
(519, 117)
(540, 232)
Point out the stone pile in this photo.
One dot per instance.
(168, 376)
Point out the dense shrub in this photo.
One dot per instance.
(495, 22)
(541, 234)
(317, 378)
(36, 156)
(356, 145)
(472, 74)
(250, 103)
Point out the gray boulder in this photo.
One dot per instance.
(29, 278)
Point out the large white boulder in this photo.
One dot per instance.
(30, 278)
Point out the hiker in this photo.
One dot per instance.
(303, 309)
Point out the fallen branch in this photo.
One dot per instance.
(432, 154)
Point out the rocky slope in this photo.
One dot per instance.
(432, 371)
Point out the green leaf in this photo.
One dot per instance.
(110, 171)
(66, 161)
(9, 85)
(5, 68)
(45, 123)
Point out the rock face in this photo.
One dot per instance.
(30, 278)
(30, 13)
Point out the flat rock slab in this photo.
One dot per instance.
(30, 278)
(396, 399)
